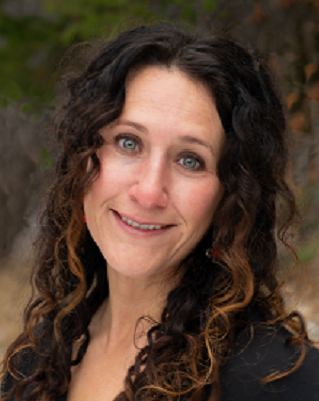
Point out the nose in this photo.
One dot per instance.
(150, 186)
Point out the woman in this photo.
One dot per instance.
(157, 256)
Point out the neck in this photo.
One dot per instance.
(129, 300)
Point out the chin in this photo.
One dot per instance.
(135, 271)
(138, 266)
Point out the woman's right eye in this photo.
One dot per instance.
(128, 143)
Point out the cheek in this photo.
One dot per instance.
(112, 177)
(199, 202)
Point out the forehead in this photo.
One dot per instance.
(171, 95)
(154, 77)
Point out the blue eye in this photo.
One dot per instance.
(191, 163)
(128, 143)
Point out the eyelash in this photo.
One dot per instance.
(200, 162)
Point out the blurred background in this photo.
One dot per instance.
(34, 36)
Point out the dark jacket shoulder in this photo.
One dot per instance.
(25, 364)
(262, 351)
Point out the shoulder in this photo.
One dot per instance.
(260, 352)
(25, 364)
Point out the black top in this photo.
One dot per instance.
(254, 357)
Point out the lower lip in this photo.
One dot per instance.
(137, 231)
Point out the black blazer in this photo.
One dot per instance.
(255, 357)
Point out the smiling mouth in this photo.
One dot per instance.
(145, 227)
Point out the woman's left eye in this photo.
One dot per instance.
(191, 163)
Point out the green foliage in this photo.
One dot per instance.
(26, 49)
(308, 251)
(26, 108)
(223, 14)
(188, 13)
(32, 46)
(46, 159)
(83, 19)
(10, 89)
(209, 5)
(3, 102)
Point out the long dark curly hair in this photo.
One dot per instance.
(215, 297)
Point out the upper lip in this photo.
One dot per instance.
(136, 220)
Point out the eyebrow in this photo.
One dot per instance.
(184, 138)
(137, 126)
(192, 139)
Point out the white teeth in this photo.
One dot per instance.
(140, 226)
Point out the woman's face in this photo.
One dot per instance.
(158, 188)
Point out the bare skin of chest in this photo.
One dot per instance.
(101, 373)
